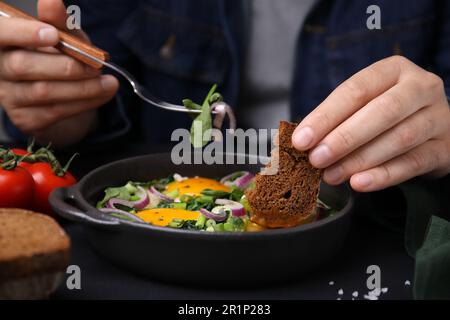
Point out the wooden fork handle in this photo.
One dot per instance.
(66, 38)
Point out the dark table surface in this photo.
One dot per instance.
(367, 244)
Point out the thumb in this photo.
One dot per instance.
(53, 12)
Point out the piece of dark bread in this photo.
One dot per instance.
(289, 197)
(34, 253)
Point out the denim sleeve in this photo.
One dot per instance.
(113, 125)
(114, 122)
(102, 22)
(442, 56)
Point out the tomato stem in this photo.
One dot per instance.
(10, 160)
(31, 145)
(66, 167)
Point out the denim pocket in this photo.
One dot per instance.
(176, 46)
(351, 52)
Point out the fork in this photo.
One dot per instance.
(96, 58)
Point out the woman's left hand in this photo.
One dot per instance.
(386, 124)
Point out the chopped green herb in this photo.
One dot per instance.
(130, 187)
(179, 205)
(191, 105)
(219, 227)
(173, 194)
(210, 223)
(176, 223)
(121, 216)
(246, 205)
(202, 124)
(236, 194)
(116, 192)
(200, 222)
(216, 193)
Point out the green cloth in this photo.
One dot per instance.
(419, 210)
(427, 236)
(424, 199)
(432, 272)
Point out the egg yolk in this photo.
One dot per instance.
(194, 186)
(163, 216)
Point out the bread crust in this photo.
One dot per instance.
(289, 197)
(31, 244)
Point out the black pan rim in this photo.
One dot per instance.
(123, 225)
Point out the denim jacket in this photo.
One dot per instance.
(178, 48)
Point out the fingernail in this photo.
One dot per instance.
(303, 138)
(363, 180)
(108, 83)
(334, 175)
(320, 156)
(48, 35)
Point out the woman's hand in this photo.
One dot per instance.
(386, 124)
(45, 93)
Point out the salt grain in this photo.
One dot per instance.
(407, 283)
(384, 290)
(341, 292)
(355, 294)
(375, 292)
(331, 283)
(370, 297)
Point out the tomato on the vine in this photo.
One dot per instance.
(16, 188)
(44, 174)
(46, 180)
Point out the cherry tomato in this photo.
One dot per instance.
(45, 182)
(20, 152)
(16, 188)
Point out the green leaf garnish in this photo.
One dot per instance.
(202, 124)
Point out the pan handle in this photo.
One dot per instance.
(59, 202)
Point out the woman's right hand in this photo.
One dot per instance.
(45, 93)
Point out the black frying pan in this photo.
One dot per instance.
(196, 257)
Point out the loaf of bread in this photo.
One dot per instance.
(289, 197)
(34, 253)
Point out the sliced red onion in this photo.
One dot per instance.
(227, 177)
(138, 204)
(218, 217)
(113, 201)
(160, 195)
(237, 209)
(153, 200)
(221, 109)
(122, 212)
(243, 181)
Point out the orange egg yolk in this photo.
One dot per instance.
(194, 186)
(163, 216)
